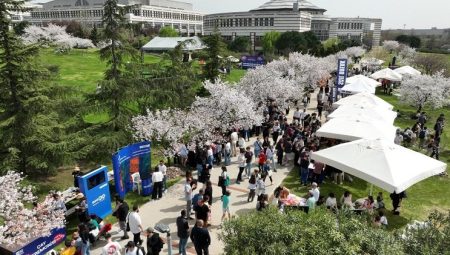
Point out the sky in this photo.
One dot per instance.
(395, 13)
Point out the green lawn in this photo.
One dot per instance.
(235, 75)
(430, 194)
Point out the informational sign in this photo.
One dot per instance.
(135, 158)
(341, 75)
(249, 62)
(38, 246)
(95, 187)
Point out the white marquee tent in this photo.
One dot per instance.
(364, 99)
(366, 79)
(359, 111)
(407, 70)
(387, 74)
(358, 86)
(381, 163)
(354, 128)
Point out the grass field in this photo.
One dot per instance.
(424, 197)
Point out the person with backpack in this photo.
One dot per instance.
(154, 242)
(261, 160)
(182, 232)
(224, 180)
(132, 249)
(422, 136)
(121, 214)
(248, 160)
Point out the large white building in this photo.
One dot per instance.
(292, 15)
(154, 13)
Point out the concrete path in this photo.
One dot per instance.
(168, 208)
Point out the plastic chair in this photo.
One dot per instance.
(136, 182)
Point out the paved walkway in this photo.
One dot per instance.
(168, 208)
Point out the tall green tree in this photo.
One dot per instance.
(31, 137)
(215, 46)
(268, 42)
(94, 36)
(240, 44)
(115, 93)
(168, 32)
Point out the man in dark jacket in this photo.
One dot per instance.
(182, 232)
(201, 239)
(121, 214)
(154, 242)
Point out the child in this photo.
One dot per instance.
(252, 188)
(267, 172)
(383, 219)
(226, 206)
(261, 186)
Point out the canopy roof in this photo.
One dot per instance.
(353, 128)
(288, 5)
(359, 111)
(387, 74)
(364, 99)
(169, 43)
(382, 163)
(407, 70)
(362, 78)
(359, 87)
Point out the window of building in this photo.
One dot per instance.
(272, 22)
(256, 22)
(266, 22)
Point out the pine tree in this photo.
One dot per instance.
(94, 35)
(31, 137)
(116, 91)
(215, 46)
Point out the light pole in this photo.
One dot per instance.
(163, 228)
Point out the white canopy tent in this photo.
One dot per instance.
(407, 70)
(387, 74)
(354, 128)
(365, 79)
(360, 111)
(169, 43)
(365, 99)
(381, 163)
(358, 86)
(371, 62)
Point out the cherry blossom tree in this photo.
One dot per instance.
(355, 52)
(54, 35)
(422, 90)
(406, 55)
(22, 223)
(391, 45)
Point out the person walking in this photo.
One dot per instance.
(242, 164)
(226, 206)
(182, 232)
(209, 192)
(234, 137)
(135, 222)
(188, 195)
(132, 249)
(257, 147)
(201, 238)
(111, 248)
(252, 188)
(248, 160)
(225, 179)
(121, 214)
(154, 242)
(227, 153)
(157, 179)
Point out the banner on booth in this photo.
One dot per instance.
(95, 187)
(249, 62)
(40, 245)
(341, 75)
(128, 160)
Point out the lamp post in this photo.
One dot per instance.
(163, 228)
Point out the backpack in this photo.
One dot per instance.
(422, 133)
(160, 243)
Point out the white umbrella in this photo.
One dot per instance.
(359, 86)
(364, 99)
(360, 111)
(354, 128)
(233, 59)
(381, 163)
(387, 74)
(407, 70)
(365, 79)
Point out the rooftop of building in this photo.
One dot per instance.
(288, 5)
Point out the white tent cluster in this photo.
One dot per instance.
(367, 122)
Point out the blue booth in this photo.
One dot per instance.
(95, 187)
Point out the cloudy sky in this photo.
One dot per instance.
(395, 13)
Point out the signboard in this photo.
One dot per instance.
(40, 245)
(249, 62)
(95, 187)
(341, 75)
(128, 160)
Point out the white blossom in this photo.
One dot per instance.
(54, 35)
(22, 222)
(406, 55)
(391, 45)
(422, 90)
(355, 51)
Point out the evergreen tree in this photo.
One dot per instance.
(31, 137)
(115, 92)
(94, 35)
(215, 46)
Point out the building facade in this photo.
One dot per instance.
(292, 15)
(154, 13)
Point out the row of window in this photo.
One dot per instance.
(167, 15)
(241, 22)
(67, 14)
(350, 25)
